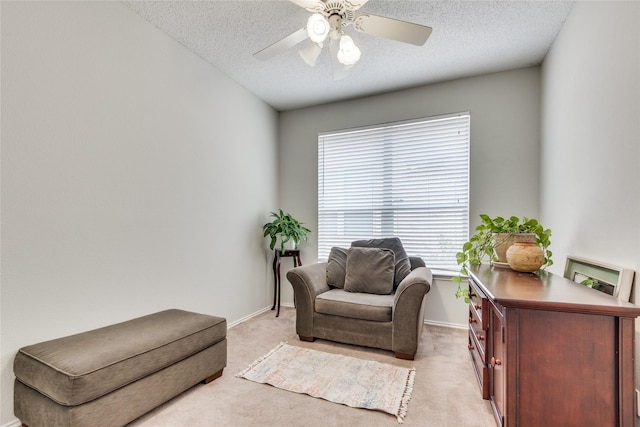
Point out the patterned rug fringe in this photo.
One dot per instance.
(406, 396)
(259, 359)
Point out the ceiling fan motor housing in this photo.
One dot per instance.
(340, 9)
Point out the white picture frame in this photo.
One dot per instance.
(607, 278)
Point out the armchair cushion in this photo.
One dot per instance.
(369, 270)
(402, 263)
(337, 267)
(355, 305)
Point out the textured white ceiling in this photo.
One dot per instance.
(469, 38)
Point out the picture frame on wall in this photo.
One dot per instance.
(610, 279)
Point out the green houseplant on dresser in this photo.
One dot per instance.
(494, 237)
(286, 228)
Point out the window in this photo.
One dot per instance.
(405, 179)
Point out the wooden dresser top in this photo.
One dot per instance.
(547, 291)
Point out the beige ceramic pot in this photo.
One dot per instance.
(503, 242)
(525, 257)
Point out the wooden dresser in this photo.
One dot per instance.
(549, 352)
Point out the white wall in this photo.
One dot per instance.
(504, 108)
(590, 149)
(590, 153)
(135, 178)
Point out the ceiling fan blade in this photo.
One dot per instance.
(310, 53)
(282, 45)
(340, 71)
(355, 4)
(393, 29)
(310, 5)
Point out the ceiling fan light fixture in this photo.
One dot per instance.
(349, 54)
(327, 22)
(311, 53)
(317, 28)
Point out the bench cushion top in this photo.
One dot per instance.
(82, 367)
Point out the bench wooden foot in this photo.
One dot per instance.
(405, 356)
(213, 377)
(307, 339)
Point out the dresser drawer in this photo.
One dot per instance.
(478, 304)
(477, 335)
(478, 319)
(479, 366)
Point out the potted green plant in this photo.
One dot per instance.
(287, 228)
(491, 236)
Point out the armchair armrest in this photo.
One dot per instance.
(308, 281)
(416, 262)
(408, 310)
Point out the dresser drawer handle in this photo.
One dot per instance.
(472, 320)
(470, 347)
(480, 338)
(477, 307)
(495, 362)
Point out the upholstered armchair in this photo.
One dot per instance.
(371, 294)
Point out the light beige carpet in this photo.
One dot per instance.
(445, 392)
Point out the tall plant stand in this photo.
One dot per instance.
(293, 253)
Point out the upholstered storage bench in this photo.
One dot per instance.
(113, 375)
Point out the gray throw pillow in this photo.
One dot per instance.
(337, 267)
(370, 270)
(403, 265)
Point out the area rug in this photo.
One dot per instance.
(340, 379)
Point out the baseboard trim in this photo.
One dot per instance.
(14, 423)
(290, 305)
(446, 324)
(250, 316)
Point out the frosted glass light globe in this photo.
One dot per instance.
(349, 53)
(317, 28)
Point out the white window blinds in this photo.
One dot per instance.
(405, 179)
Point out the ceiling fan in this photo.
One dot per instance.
(328, 20)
